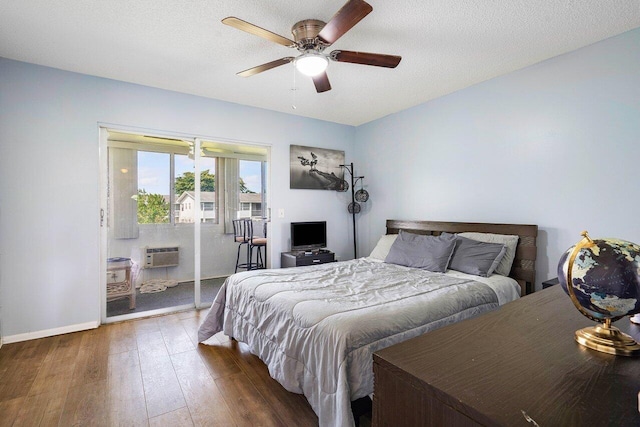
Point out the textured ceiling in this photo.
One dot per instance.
(182, 46)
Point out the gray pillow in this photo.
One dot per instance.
(410, 237)
(504, 267)
(477, 258)
(428, 252)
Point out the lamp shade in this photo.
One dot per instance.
(311, 63)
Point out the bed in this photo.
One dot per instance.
(317, 327)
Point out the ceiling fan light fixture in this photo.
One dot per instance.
(311, 63)
(311, 37)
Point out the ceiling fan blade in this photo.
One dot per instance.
(322, 82)
(248, 27)
(376, 59)
(264, 67)
(350, 14)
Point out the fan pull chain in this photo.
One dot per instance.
(294, 89)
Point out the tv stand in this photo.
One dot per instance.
(302, 258)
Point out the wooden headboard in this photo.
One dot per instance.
(524, 264)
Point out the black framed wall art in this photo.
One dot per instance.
(316, 168)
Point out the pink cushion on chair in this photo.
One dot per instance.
(259, 241)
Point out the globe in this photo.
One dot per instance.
(602, 278)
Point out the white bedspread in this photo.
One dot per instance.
(316, 327)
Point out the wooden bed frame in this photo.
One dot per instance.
(524, 264)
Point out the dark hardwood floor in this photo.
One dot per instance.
(142, 372)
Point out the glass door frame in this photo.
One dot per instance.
(104, 129)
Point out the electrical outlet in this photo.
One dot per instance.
(280, 213)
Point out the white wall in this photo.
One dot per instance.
(50, 190)
(556, 144)
(218, 251)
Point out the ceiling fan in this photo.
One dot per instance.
(311, 38)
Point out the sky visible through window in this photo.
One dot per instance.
(153, 171)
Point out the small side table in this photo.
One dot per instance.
(119, 283)
(301, 258)
(550, 283)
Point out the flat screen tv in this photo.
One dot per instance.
(307, 236)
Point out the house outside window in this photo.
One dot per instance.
(251, 206)
(207, 213)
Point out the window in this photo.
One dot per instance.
(158, 186)
(155, 190)
(252, 186)
(154, 194)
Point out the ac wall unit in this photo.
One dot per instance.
(161, 257)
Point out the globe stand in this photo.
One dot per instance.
(608, 339)
(604, 337)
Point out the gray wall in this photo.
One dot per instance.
(50, 182)
(556, 144)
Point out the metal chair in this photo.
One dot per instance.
(241, 236)
(259, 243)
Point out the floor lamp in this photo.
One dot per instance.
(356, 197)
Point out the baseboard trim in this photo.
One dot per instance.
(49, 332)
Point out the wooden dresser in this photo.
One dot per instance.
(495, 370)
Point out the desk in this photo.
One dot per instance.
(119, 283)
(521, 357)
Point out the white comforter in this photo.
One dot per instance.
(316, 327)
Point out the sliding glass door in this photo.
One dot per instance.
(168, 210)
(239, 191)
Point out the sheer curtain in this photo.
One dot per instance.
(123, 188)
(231, 186)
